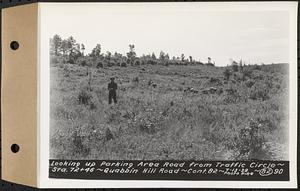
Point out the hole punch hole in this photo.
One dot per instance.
(15, 148)
(14, 45)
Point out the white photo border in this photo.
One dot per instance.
(44, 102)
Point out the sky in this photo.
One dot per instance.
(221, 32)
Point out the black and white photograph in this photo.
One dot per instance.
(199, 85)
(169, 82)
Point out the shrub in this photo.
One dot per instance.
(241, 66)
(71, 60)
(108, 134)
(77, 141)
(259, 92)
(247, 72)
(111, 64)
(84, 97)
(135, 79)
(227, 73)
(77, 145)
(83, 63)
(209, 64)
(66, 71)
(235, 67)
(137, 63)
(249, 83)
(149, 121)
(123, 64)
(184, 63)
(219, 91)
(232, 96)
(113, 116)
(99, 65)
(214, 80)
(92, 104)
(257, 76)
(249, 141)
(239, 77)
(152, 62)
(147, 126)
(257, 67)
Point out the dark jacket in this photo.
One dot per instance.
(112, 87)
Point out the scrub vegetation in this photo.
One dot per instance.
(168, 108)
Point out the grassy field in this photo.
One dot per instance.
(169, 112)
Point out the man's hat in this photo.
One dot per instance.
(112, 78)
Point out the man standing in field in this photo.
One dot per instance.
(112, 91)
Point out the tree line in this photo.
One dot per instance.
(70, 51)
